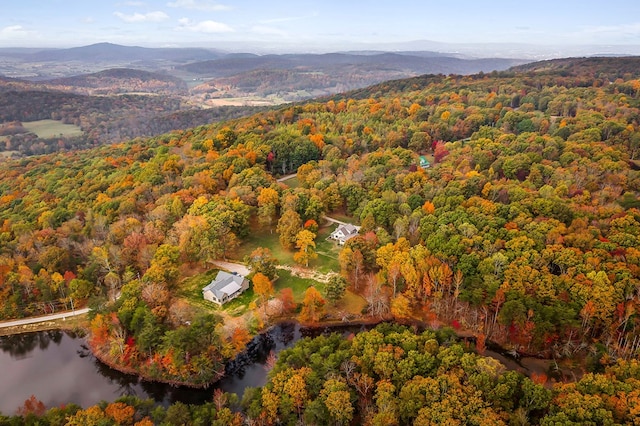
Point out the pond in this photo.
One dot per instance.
(58, 368)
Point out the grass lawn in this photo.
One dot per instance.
(51, 128)
(327, 250)
(297, 284)
(260, 237)
(352, 303)
(343, 217)
(239, 305)
(292, 183)
(191, 290)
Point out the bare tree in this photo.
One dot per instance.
(376, 296)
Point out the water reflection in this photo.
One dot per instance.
(21, 345)
(58, 368)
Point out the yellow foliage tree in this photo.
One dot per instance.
(263, 287)
(305, 242)
(312, 305)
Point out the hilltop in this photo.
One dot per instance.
(519, 226)
(609, 67)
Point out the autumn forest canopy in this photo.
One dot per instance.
(524, 231)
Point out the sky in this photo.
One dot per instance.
(316, 24)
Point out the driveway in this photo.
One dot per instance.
(287, 177)
(232, 267)
(339, 222)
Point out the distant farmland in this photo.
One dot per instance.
(46, 129)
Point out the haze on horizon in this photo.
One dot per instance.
(322, 25)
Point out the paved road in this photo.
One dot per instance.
(51, 317)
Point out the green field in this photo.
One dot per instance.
(339, 215)
(261, 237)
(297, 284)
(190, 289)
(292, 183)
(328, 251)
(46, 129)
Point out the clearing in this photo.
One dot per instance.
(46, 129)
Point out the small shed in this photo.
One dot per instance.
(424, 162)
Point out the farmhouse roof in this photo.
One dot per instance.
(224, 283)
(348, 229)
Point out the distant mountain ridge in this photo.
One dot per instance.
(109, 52)
(414, 62)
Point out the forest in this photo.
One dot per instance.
(104, 119)
(390, 375)
(525, 232)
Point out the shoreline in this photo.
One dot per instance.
(176, 383)
(76, 324)
(133, 372)
(524, 363)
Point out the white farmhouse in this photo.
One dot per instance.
(343, 233)
(225, 287)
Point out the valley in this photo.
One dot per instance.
(114, 92)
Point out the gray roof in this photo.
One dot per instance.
(348, 229)
(224, 283)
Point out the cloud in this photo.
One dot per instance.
(199, 5)
(88, 20)
(204, 26)
(156, 16)
(14, 32)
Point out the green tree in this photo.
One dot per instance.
(164, 265)
(335, 288)
(262, 261)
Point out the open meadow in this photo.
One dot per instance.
(46, 129)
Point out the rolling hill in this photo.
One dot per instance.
(120, 80)
(523, 232)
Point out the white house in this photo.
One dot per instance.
(343, 233)
(225, 287)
